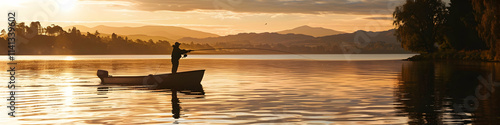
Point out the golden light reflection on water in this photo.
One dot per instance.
(237, 92)
(69, 58)
(68, 97)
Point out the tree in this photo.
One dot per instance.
(75, 31)
(114, 37)
(487, 15)
(3, 32)
(54, 30)
(418, 24)
(21, 29)
(59, 30)
(97, 33)
(461, 33)
(35, 28)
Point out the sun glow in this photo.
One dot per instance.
(67, 6)
(15, 3)
(69, 58)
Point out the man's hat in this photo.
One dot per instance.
(177, 43)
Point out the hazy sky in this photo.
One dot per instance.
(216, 16)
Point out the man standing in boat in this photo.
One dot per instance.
(176, 55)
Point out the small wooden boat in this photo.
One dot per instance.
(180, 81)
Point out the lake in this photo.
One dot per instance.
(258, 89)
(330, 57)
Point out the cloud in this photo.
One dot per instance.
(380, 18)
(362, 7)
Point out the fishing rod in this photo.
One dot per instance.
(251, 48)
(242, 48)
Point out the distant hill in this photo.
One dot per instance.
(251, 38)
(270, 38)
(169, 32)
(146, 37)
(374, 42)
(141, 37)
(349, 38)
(360, 42)
(385, 36)
(311, 31)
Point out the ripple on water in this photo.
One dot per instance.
(237, 92)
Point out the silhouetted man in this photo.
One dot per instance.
(176, 55)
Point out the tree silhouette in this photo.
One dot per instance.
(487, 15)
(418, 24)
(97, 33)
(54, 30)
(3, 32)
(35, 28)
(461, 33)
(21, 29)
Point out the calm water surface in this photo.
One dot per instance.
(249, 91)
(331, 57)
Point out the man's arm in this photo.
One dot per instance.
(185, 51)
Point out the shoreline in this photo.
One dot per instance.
(483, 56)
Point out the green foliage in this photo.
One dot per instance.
(419, 24)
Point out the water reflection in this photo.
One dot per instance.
(446, 93)
(102, 90)
(258, 92)
(176, 108)
(175, 102)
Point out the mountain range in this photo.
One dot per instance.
(250, 38)
(292, 39)
(357, 42)
(311, 31)
(361, 36)
(172, 33)
(376, 42)
(300, 35)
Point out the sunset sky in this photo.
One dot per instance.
(221, 17)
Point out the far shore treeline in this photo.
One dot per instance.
(33, 39)
(53, 40)
(462, 30)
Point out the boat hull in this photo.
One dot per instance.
(190, 80)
